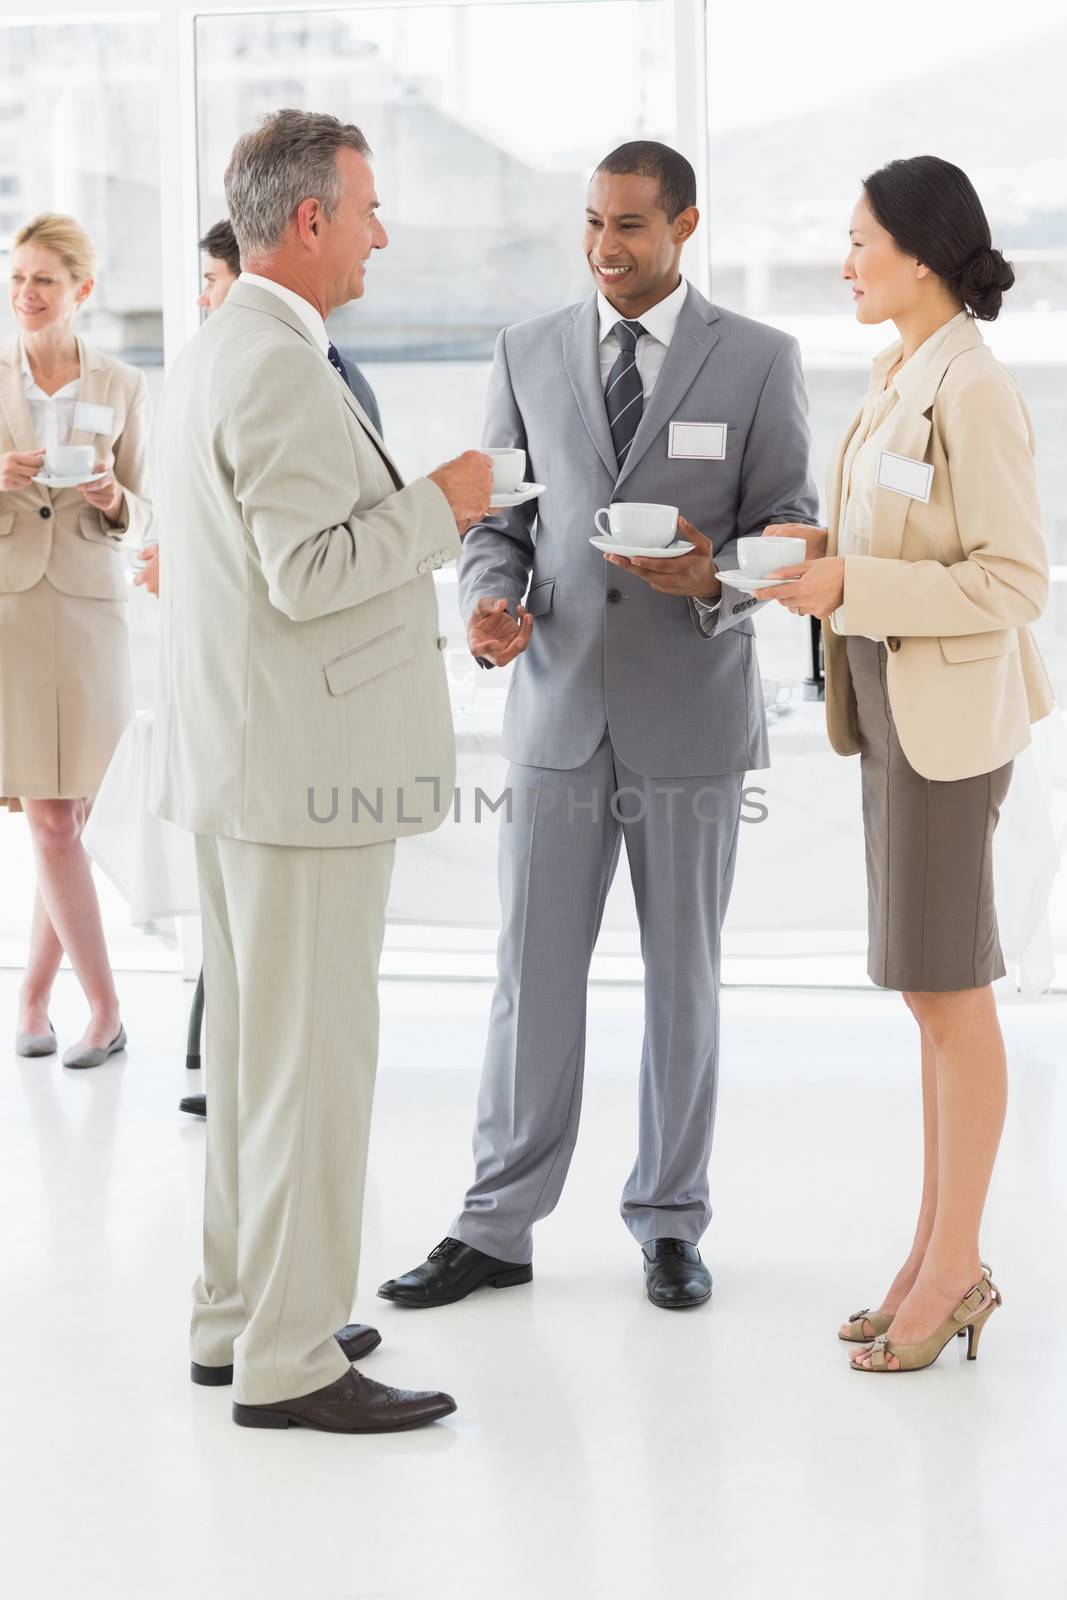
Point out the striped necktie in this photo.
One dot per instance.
(625, 395)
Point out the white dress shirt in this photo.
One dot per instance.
(659, 324)
(52, 415)
(308, 314)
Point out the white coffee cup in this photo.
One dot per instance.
(69, 461)
(647, 526)
(758, 556)
(509, 467)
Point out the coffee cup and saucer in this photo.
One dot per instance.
(68, 466)
(509, 485)
(635, 529)
(761, 555)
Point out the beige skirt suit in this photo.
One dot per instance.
(932, 676)
(66, 690)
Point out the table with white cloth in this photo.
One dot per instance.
(800, 865)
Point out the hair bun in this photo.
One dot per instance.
(984, 281)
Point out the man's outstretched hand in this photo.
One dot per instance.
(493, 633)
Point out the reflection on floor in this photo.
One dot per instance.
(602, 1448)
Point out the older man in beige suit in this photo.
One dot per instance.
(304, 725)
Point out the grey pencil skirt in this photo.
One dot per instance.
(931, 920)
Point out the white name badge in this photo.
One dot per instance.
(94, 419)
(697, 441)
(905, 476)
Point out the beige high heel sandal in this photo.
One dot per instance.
(969, 1317)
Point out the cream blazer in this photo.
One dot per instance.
(303, 697)
(53, 533)
(951, 584)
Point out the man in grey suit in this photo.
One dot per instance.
(303, 726)
(634, 712)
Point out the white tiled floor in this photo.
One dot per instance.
(602, 1448)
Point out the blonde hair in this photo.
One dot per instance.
(66, 237)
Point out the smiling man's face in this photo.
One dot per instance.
(632, 247)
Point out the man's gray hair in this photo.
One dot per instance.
(290, 157)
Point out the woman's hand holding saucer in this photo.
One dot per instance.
(819, 589)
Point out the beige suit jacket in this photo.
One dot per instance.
(951, 584)
(53, 533)
(303, 698)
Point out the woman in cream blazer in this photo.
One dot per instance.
(927, 578)
(65, 680)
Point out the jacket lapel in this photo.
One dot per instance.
(92, 390)
(16, 412)
(909, 435)
(257, 299)
(694, 339)
(13, 399)
(581, 358)
(836, 489)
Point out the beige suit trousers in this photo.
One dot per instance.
(292, 939)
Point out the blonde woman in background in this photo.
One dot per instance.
(66, 688)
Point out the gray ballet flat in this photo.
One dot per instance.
(96, 1055)
(36, 1044)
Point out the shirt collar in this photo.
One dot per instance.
(31, 381)
(914, 369)
(307, 313)
(660, 321)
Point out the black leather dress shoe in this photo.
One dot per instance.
(675, 1276)
(450, 1273)
(356, 1340)
(353, 1404)
(195, 1104)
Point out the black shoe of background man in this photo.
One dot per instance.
(195, 1104)
(675, 1276)
(450, 1273)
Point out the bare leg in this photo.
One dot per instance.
(908, 1273)
(45, 955)
(972, 1098)
(69, 899)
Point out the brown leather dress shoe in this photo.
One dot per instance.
(356, 1340)
(353, 1404)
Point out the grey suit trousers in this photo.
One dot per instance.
(558, 855)
(292, 938)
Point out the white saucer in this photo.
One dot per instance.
(68, 483)
(517, 497)
(678, 547)
(750, 584)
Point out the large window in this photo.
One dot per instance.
(485, 122)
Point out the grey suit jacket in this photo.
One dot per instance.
(607, 651)
(301, 650)
(364, 394)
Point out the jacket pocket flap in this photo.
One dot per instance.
(7, 522)
(980, 646)
(368, 660)
(539, 599)
(89, 527)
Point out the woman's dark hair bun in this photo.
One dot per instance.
(934, 214)
(983, 282)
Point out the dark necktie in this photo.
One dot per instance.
(338, 365)
(625, 395)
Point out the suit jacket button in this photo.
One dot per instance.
(442, 641)
(894, 644)
(45, 512)
(614, 596)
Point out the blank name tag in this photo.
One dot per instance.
(94, 419)
(905, 476)
(699, 441)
